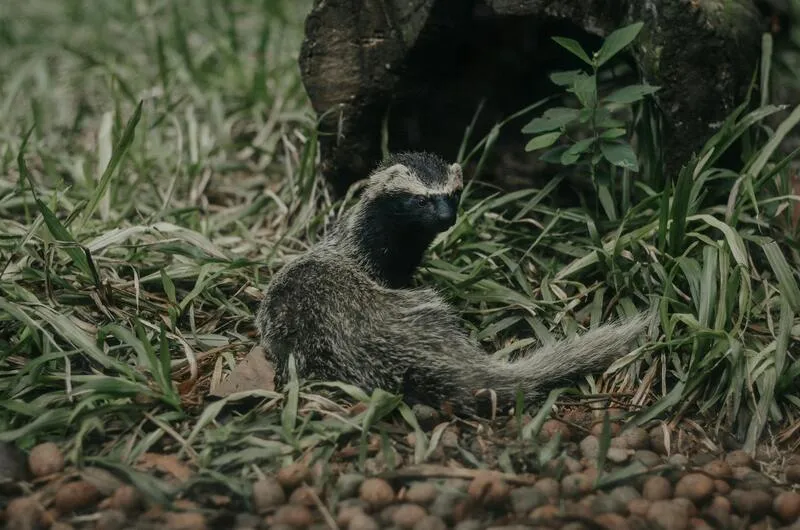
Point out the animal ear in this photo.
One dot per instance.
(456, 175)
(387, 173)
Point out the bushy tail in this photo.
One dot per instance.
(591, 352)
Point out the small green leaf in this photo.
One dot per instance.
(540, 142)
(552, 119)
(553, 156)
(169, 287)
(612, 133)
(118, 152)
(615, 42)
(585, 88)
(620, 154)
(632, 93)
(783, 272)
(574, 47)
(538, 125)
(572, 154)
(561, 114)
(565, 78)
(603, 119)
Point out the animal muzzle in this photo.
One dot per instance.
(445, 214)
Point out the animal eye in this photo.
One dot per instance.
(421, 200)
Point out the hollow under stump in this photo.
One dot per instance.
(421, 68)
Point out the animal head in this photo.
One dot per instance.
(415, 191)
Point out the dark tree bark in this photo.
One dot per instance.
(430, 63)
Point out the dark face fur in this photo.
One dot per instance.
(408, 205)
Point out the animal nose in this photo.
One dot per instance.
(445, 213)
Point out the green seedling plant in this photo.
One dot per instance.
(591, 135)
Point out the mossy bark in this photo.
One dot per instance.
(428, 64)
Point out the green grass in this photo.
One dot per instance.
(135, 241)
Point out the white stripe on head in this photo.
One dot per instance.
(400, 178)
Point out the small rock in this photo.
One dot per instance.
(23, 513)
(305, 495)
(363, 521)
(696, 523)
(647, 458)
(686, 506)
(572, 465)
(294, 515)
(346, 514)
(739, 473)
(431, 522)
(585, 502)
(718, 469)
(549, 486)
(127, 499)
(547, 512)
(376, 492)
(421, 493)
(702, 459)
(245, 521)
(523, 500)
(551, 428)
(625, 494)
(45, 459)
(597, 428)
(753, 480)
(407, 515)
(348, 484)
(755, 503)
(720, 511)
(58, 525)
(678, 460)
(639, 507)
(608, 504)
(110, 520)
(657, 488)
(445, 504)
(73, 496)
(576, 484)
(793, 474)
(488, 487)
(590, 447)
(739, 459)
(696, 487)
(293, 475)
(611, 521)
(634, 438)
(450, 437)
(667, 515)
(469, 524)
(427, 417)
(582, 508)
(657, 442)
(787, 506)
(617, 455)
(267, 494)
(722, 487)
(737, 522)
(185, 521)
(12, 463)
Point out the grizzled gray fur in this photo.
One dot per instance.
(345, 310)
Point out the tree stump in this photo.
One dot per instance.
(421, 68)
